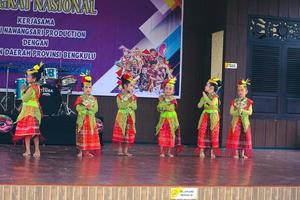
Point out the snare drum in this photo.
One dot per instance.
(19, 83)
(51, 73)
(68, 81)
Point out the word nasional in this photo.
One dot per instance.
(79, 7)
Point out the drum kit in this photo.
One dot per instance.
(52, 88)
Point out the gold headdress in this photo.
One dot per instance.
(244, 83)
(36, 69)
(171, 82)
(215, 80)
(86, 79)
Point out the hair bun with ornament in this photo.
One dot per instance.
(124, 79)
(170, 81)
(86, 79)
(36, 70)
(244, 83)
(216, 82)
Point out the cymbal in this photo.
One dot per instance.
(63, 70)
(11, 67)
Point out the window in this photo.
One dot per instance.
(274, 69)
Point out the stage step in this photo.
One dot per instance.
(61, 192)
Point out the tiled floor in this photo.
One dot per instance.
(59, 165)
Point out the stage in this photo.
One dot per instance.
(59, 174)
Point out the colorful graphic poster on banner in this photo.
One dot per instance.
(142, 37)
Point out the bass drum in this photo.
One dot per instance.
(6, 124)
(50, 99)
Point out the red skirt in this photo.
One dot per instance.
(165, 137)
(129, 136)
(207, 138)
(85, 139)
(28, 126)
(239, 140)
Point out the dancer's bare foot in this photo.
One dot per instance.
(120, 153)
(212, 156)
(27, 154)
(202, 155)
(128, 154)
(162, 155)
(243, 155)
(170, 155)
(79, 155)
(37, 154)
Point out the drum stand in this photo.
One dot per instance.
(69, 111)
(16, 108)
(64, 106)
(3, 102)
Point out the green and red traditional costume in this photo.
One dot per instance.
(29, 119)
(168, 129)
(209, 123)
(239, 136)
(124, 127)
(87, 137)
